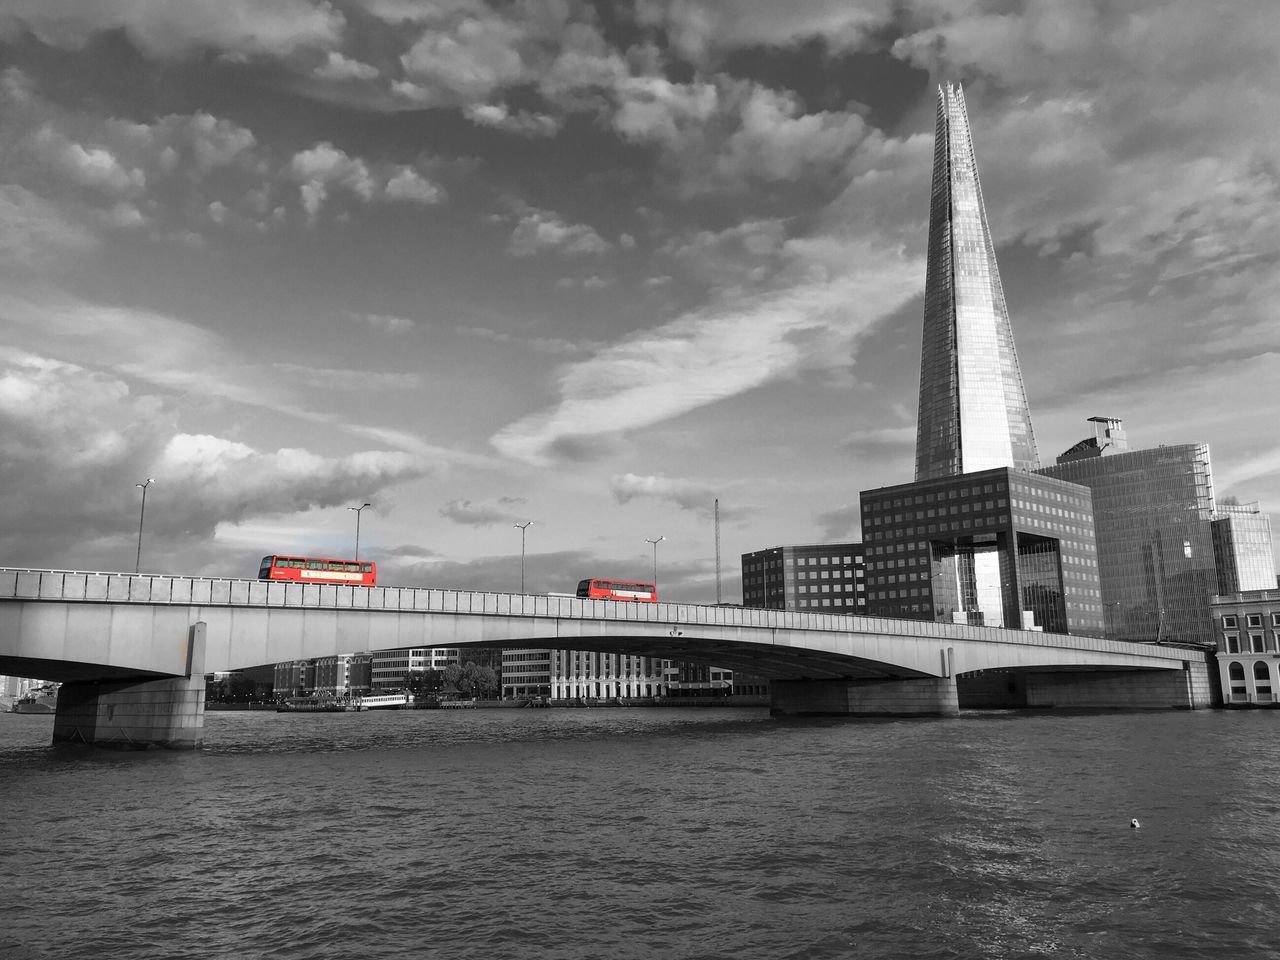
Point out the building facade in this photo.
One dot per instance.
(1242, 548)
(587, 675)
(1000, 547)
(526, 672)
(388, 668)
(1246, 633)
(973, 412)
(1152, 511)
(824, 577)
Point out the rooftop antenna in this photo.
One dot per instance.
(717, 549)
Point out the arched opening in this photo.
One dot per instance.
(1235, 675)
(1262, 682)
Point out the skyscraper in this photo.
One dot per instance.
(973, 406)
(977, 537)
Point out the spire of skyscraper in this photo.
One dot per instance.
(973, 406)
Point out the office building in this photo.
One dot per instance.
(389, 667)
(344, 675)
(526, 672)
(1152, 511)
(587, 675)
(999, 547)
(973, 413)
(1242, 548)
(817, 577)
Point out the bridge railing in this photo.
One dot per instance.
(81, 586)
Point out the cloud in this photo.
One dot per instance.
(409, 185)
(698, 497)
(34, 231)
(710, 355)
(338, 67)
(480, 514)
(702, 29)
(500, 117)
(842, 522)
(540, 230)
(163, 29)
(84, 437)
(551, 345)
(324, 168)
(385, 322)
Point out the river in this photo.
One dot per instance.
(648, 833)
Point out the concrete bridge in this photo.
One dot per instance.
(132, 650)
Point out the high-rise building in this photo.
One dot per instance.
(1152, 512)
(977, 537)
(973, 412)
(996, 548)
(821, 577)
(1242, 548)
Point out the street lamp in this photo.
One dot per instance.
(141, 515)
(655, 556)
(522, 527)
(358, 511)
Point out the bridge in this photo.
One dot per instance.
(132, 650)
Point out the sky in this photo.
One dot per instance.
(594, 266)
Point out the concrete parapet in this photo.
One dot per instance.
(921, 697)
(137, 715)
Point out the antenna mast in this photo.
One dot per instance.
(717, 549)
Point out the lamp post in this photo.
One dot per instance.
(522, 528)
(358, 511)
(655, 543)
(137, 567)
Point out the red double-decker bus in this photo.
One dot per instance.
(618, 590)
(319, 570)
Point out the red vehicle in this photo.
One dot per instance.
(618, 590)
(319, 570)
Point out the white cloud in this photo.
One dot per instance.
(84, 437)
(338, 67)
(697, 496)
(34, 231)
(713, 354)
(324, 168)
(164, 29)
(385, 322)
(97, 168)
(500, 117)
(541, 230)
(699, 28)
(409, 185)
(478, 514)
(478, 55)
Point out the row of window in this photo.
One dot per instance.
(933, 497)
(1254, 643)
(1231, 621)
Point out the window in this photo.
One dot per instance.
(1254, 619)
(1255, 643)
(1229, 622)
(1232, 642)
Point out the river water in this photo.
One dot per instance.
(648, 833)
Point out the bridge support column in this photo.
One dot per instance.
(137, 715)
(922, 697)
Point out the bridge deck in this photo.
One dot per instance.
(81, 587)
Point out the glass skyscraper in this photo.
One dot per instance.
(973, 406)
(1153, 511)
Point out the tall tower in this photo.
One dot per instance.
(973, 407)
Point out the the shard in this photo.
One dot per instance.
(973, 406)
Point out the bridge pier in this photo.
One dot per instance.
(137, 715)
(918, 697)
